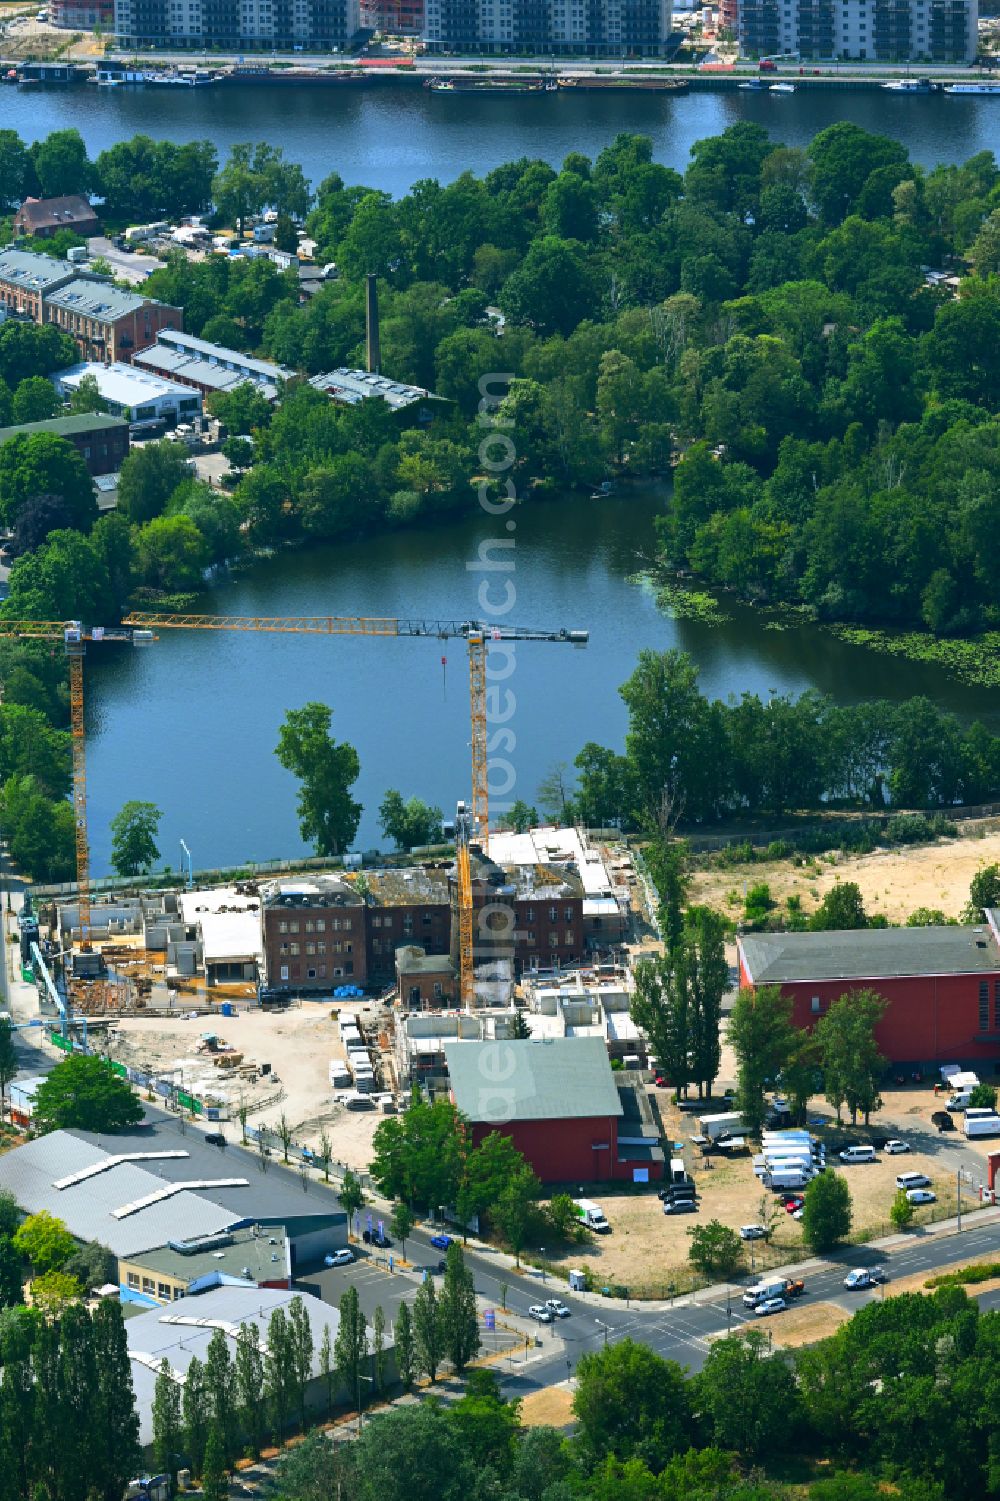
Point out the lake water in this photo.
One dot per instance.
(192, 723)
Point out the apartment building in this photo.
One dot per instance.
(26, 277)
(238, 25)
(861, 30)
(592, 28)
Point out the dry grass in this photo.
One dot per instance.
(801, 1324)
(551, 1407)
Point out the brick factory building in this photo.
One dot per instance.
(407, 906)
(559, 1103)
(942, 984)
(313, 934)
(101, 440)
(107, 323)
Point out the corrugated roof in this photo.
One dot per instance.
(87, 1208)
(153, 1336)
(561, 1078)
(232, 359)
(868, 954)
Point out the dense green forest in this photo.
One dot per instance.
(760, 330)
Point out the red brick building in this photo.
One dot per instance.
(558, 1102)
(107, 323)
(313, 933)
(43, 217)
(942, 985)
(101, 440)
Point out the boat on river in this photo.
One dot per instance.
(491, 85)
(912, 86)
(972, 88)
(782, 88)
(173, 78)
(623, 83)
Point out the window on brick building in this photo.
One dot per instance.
(984, 1005)
(553, 914)
(553, 940)
(568, 913)
(293, 948)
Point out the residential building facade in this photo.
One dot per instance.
(860, 30)
(26, 277)
(238, 25)
(101, 440)
(592, 28)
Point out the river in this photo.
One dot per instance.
(191, 723)
(389, 137)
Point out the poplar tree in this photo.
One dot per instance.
(405, 1354)
(114, 1421)
(220, 1385)
(327, 1368)
(301, 1353)
(194, 1407)
(351, 1344)
(457, 1316)
(166, 1419)
(250, 1385)
(214, 1483)
(279, 1372)
(378, 1348)
(428, 1344)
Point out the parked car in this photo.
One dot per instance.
(215, 1138)
(753, 1232)
(895, 1147)
(661, 1082)
(440, 1242)
(557, 1307)
(540, 1313)
(920, 1196)
(912, 1180)
(770, 1305)
(343, 1257)
(376, 1238)
(680, 1206)
(794, 1203)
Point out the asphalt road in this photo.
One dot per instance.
(685, 1333)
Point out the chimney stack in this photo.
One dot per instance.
(374, 353)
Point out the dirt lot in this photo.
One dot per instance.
(892, 882)
(298, 1044)
(647, 1251)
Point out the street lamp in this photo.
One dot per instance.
(605, 1327)
(541, 1252)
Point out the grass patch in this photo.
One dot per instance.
(965, 1275)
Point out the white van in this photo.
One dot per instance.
(959, 1101)
(858, 1154)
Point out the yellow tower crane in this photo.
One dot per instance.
(75, 637)
(479, 638)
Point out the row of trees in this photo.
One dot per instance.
(141, 178)
(839, 1056)
(697, 759)
(865, 1412)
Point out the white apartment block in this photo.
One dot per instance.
(861, 30)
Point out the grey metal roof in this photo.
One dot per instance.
(277, 1196)
(150, 1334)
(168, 362)
(352, 386)
(96, 299)
(231, 359)
(26, 268)
(87, 1208)
(869, 954)
(562, 1078)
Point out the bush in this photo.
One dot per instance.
(826, 1217)
(983, 1097)
(715, 1250)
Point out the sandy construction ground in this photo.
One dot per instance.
(298, 1044)
(893, 882)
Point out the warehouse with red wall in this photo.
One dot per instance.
(941, 985)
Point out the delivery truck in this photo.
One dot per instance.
(592, 1215)
(714, 1126)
